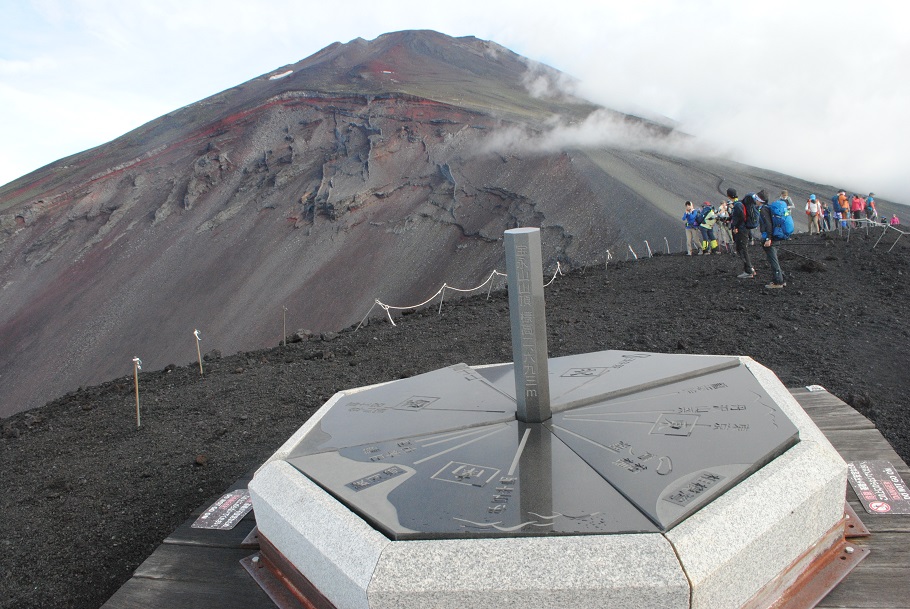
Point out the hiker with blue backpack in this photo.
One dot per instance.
(776, 226)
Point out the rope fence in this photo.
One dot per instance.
(843, 228)
(441, 294)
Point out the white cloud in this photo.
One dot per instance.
(814, 90)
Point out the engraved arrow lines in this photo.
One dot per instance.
(456, 447)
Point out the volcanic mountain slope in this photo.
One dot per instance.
(369, 170)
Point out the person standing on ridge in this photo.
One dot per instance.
(772, 236)
(843, 207)
(708, 218)
(690, 217)
(740, 233)
(785, 196)
(723, 226)
(871, 212)
(813, 211)
(857, 207)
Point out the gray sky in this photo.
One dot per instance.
(819, 90)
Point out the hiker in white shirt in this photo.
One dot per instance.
(813, 212)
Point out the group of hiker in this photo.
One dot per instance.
(708, 229)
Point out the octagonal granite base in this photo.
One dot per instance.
(722, 555)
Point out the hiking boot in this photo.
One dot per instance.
(746, 275)
(771, 286)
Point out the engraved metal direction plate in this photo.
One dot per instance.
(637, 443)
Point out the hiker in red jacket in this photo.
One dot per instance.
(857, 207)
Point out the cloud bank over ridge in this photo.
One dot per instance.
(815, 91)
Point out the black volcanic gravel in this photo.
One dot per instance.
(87, 497)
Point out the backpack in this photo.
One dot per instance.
(750, 212)
(699, 217)
(709, 218)
(781, 220)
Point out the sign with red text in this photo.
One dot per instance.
(879, 487)
(225, 513)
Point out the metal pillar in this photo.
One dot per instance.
(524, 267)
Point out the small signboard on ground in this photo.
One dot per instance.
(879, 487)
(225, 513)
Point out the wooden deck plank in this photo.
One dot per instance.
(868, 588)
(143, 593)
(194, 563)
(828, 412)
(864, 444)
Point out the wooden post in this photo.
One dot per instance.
(198, 350)
(137, 366)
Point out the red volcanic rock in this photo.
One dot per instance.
(369, 170)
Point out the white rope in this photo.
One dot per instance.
(367, 315)
(558, 272)
(441, 292)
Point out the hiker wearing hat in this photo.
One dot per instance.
(843, 204)
(776, 227)
(813, 211)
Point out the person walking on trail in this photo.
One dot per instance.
(894, 221)
(813, 211)
(708, 218)
(693, 234)
(871, 212)
(772, 234)
(826, 216)
(738, 221)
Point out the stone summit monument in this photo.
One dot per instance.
(612, 479)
